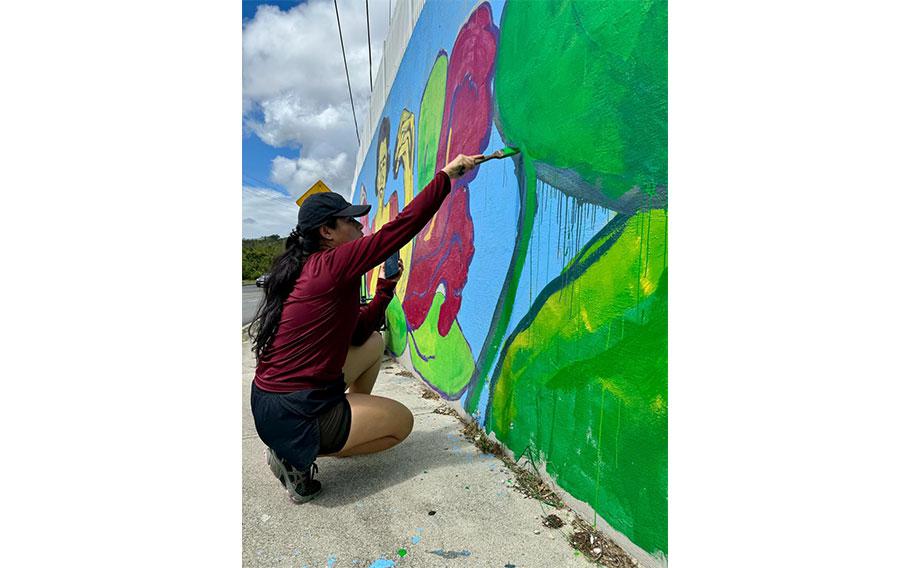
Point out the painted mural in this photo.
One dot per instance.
(537, 296)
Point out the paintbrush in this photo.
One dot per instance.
(499, 154)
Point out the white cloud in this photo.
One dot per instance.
(294, 87)
(295, 93)
(286, 122)
(299, 175)
(267, 212)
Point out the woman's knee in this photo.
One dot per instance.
(410, 425)
(405, 422)
(401, 420)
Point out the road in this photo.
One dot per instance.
(251, 298)
(433, 501)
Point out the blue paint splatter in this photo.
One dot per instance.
(415, 539)
(382, 563)
(331, 561)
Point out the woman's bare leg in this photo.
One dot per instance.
(362, 364)
(377, 423)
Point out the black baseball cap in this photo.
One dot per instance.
(317, 209)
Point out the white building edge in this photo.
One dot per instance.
(404, 18)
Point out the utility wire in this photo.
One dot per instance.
(369, 46)
(280, 199)
(259, 181)
(271, 186)
(344, 57)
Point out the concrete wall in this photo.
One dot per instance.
(537, 298)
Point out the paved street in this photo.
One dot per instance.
(432, 501)
(251, 298)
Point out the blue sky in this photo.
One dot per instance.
(297, 123)
(257, 160)
(257, 155)
(249, 6)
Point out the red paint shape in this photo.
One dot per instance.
(393, 206)
(444, 254)
(443, 258)
(468, 112)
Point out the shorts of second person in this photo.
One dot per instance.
(303, 424)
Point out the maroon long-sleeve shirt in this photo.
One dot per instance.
(322, 317)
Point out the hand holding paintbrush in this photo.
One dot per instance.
(461, 164)
(499, 154)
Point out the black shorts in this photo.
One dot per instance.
(303, 424)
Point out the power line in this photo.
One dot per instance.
(265, 184)
(274, 196)
(346, 74)
(259, 181)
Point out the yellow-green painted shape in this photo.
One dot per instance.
(397, 329)
(449, 363)
(429, 125)
(595, 353)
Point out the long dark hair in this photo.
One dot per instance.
(282, 277)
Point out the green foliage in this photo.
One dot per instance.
(582, 85)
(258, 255)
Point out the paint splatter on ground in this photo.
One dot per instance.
(382, 563)
(331, 561)
(449, 554)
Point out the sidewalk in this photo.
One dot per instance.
(433, 500)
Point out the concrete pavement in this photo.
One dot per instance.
(432, 501)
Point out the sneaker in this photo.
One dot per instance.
(300, 485)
